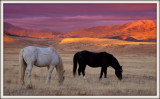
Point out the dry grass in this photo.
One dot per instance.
(139, 76)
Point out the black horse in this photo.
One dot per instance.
(92, 59)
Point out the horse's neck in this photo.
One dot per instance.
(115, 65)
(60, 67)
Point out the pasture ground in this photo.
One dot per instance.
(139, 71)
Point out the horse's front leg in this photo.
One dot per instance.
(56, 77)
(79, 70)
(101, 74)
(51, 67)
(105, 73)
(29, 76)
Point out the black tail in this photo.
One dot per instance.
(75, 63)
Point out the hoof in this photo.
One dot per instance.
(22, 83)
(100, 78)
(60, 83)
(47, 82)
(29, 87)
(84, 78)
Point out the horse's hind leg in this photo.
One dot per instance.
(83, 71)
(51, 67)
(29, 76)
(23, 74)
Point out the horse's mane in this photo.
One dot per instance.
(59, 66)
(115, 62)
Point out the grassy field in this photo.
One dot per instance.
(138, 61)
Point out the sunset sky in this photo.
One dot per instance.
(69, 17)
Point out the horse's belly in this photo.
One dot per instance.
(42, 60)
(41, 64)
(93, 65)
(46, 60)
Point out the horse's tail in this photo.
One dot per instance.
(22, 65)
(75, 63)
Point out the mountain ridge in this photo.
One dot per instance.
(141, 30)
(135, 30)
(12, 30)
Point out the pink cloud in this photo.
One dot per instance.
(73, 16)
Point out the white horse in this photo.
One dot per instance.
(40, 57)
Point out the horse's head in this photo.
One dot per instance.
(118, 73)
(62, 78)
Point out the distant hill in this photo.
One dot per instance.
(99, 41)
(8, 39)
(12, 30)
(142, 30)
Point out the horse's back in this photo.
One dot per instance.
(83, 55)
(89, 58)
(94, 59)
(47, 56)
(40, 56)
